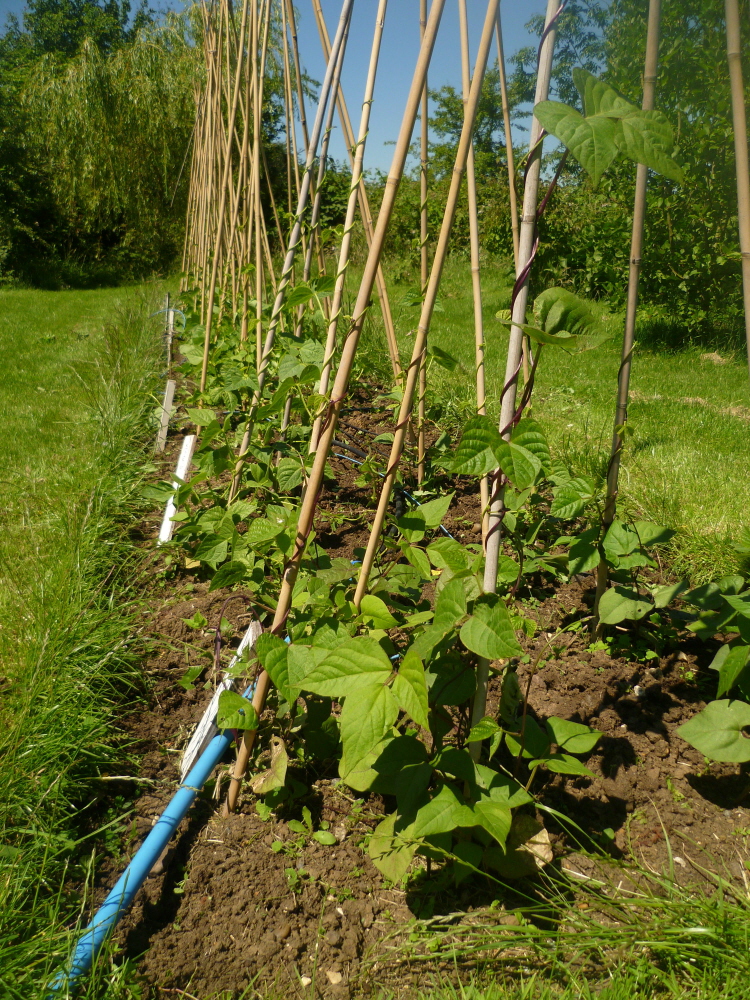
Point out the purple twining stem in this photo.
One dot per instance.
(546, 31)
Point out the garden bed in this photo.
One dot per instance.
(248, 899)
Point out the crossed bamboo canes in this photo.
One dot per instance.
(364, 204)
(294, 240)
(430, 296)
(351, 209)
(315, 216)
(309, 503)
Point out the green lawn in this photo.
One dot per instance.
(687, 463)
(81, 369)
(57, 349)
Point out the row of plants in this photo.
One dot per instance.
(384, 682)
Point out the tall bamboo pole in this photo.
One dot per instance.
(295, 239)
(476, 278)
(223, 201)
(424, 263)
(309, 503)
(739, 119)
(351, 209)
(636, 248)
(315, 216)
(527, 237)
(420, 338)
(257, 109)
(508, 139)
(364, 206)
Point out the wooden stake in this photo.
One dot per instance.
(166, 411)
(636, 248)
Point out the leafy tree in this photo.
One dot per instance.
(446, 122)
(61, 26)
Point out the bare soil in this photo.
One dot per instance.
(242, 904)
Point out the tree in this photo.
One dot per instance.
(61, 26)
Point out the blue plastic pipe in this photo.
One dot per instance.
(131, 880)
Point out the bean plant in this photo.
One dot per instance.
(383, 688)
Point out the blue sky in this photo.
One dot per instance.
(399, 53)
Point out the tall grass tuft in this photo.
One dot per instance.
(69, 659)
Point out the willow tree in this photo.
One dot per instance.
(112, 131)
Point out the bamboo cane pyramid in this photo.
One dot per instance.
(232, 205)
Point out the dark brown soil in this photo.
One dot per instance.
(240, 901)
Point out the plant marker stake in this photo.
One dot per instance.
(206, 729)
(168, 332)
(420, 338)
(508, 399)
(294, 240)
(180, 475)
(636, 248)
(123, 892)
(166, 410)
(351, 209)
(739, 120)
(310, 501)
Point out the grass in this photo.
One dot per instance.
(80, 373)
(81, 370)
(622, 931)
(686, 464)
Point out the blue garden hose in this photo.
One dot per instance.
(131, 880)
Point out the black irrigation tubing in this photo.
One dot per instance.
(401, 490)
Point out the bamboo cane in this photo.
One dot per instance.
(364, 207)
(309, 504)
(508, 400)
(508, 139)
(739, 119)
(420, 339)
(351, 209)
(476, 280)
(512, 197)
(636, 248)
(424, 263)
(301, 99)
(294, 242)
(315, 216)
